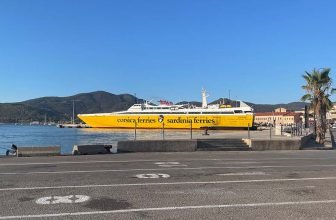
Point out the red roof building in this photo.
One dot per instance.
(277, 118)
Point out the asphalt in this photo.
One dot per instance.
(197, 185)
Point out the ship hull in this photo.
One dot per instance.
(169, 121)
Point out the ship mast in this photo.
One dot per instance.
(204, 99)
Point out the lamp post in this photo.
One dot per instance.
(135, 130)
(73, 110)
(163, 131)
(191, 137)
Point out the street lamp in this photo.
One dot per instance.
(73, 111)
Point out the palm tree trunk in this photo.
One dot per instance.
(319, 125)
(315, 132)
(324, 122)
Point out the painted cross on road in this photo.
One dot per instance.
(51, 200)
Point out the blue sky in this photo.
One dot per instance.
(257, 49)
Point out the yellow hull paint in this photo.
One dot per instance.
(169, 121)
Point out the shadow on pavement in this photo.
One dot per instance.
(328, 145)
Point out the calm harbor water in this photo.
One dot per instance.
(27, 135)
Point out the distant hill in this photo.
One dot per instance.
(59, 109)
(293, 106)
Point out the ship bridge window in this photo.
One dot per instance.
(248, 111)
(218, 113)
(174, 108)
(238, 111)
(151, 113)
(227, 113)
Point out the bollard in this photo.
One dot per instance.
(270, 132)
(191, 130)
(163, 134)
(135, 130)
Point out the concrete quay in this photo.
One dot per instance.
(255, 140)
(215, 141)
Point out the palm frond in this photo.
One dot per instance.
(306, 97)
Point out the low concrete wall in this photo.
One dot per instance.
(157, 146)
(38, 151)
(260, 145)
(329, 140)
(191, 145)
(91, 149)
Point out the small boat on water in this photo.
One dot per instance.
(72, 126)
(170, 116)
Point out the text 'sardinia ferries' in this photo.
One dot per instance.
(171, 116)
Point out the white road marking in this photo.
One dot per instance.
(243, 162)
(160, 169)
(182, 165)
(294, 188)
(134, 161)
(170, 164)
(75, 162)
(243, 205)
(243, 174)
(171, 183)
(152, 176)
(51, 200)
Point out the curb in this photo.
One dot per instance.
(329, 137)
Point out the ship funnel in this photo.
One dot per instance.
(204, 99)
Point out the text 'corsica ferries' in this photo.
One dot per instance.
(169, 116)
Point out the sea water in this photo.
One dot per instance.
(29, 135)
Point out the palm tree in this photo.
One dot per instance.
(318, 91)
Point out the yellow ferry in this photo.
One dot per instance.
(169, 116)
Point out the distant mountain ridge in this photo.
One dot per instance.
(59, 109)
(293, 106)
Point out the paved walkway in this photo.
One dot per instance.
(254, 134)
(198, 134)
